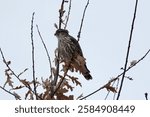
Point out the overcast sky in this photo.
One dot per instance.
(104, 39)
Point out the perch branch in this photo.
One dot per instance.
(54, 82)
(49, 59)
(33, 59)
(128, 50)
(82, 20)
(57, 88)
(61, 13)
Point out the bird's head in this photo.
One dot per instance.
(61, 32)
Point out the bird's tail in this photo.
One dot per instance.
(80, 65)
(86, 73)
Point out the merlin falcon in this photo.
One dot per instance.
(71, 54)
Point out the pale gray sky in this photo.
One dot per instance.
(104, 41)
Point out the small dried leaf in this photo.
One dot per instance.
(63, 90)
(61, 96)
(18, 87)
(68, 86)
(110, 88)
(71, 97)
(46, 84)
(9, 82)
(8, 76)
(46, 95)
(75, 80)
(25, 82)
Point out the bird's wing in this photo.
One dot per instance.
(78, 48)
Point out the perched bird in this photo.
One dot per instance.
(71, 54)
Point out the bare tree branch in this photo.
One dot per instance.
(54, 82)
(49, 59)
(4, 60)
(112, 86)
(10, 93)
(70, 2)
(128, 50)
(61, 13)
(33, 59)
(23, 72)
(57, 88)
(82, 20)
(17, 76)
(146, 96)
(117, 77)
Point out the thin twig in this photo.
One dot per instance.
(23, 72)
(65, 73)
(17, 76)
(10, 93)
(135, 63)
(4, 60)
(128, 50)
(60, 83)
(49, 59)
(54, 82)
(81, 25)
(117, 77)
(109, 90)
(146, 96)
(70, 2)
(33, 63)
(92, 93)
(117, 85)
(61, 12)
